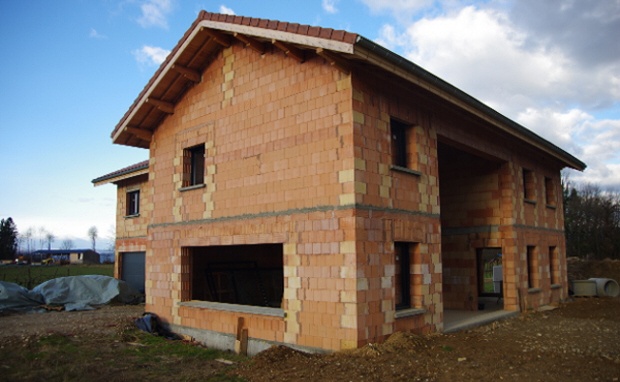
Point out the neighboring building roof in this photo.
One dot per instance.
(61, 251)
(124, 173)
(211, 32)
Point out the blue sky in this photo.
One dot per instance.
(70, 69)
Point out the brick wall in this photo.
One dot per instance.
(278, 144)
(299, 155)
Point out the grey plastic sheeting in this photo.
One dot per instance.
(72, 292)
(16, 297)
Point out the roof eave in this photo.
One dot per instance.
(122, 175)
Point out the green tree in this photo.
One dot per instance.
(8, 239)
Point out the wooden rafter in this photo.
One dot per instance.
(142, 134)
(218, 37)
(290, 50)
(334, 60)
(190, 74)
(166, 107)
(250, 42)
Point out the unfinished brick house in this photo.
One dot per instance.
(329, 192)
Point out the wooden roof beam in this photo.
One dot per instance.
(250, 42)
(190, 74)
(142, 134)
(334, 60)
(218, 37)
(290, 50)
(166, 107)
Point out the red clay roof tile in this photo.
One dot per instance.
(314, 31)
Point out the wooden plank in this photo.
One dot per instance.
(251, 42)
(290, 50)
(243, 347)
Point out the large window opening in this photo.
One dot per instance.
(236, 274)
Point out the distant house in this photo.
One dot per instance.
(73, 256)
(132, 217)
(324, 192)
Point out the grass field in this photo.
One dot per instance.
(30, 276)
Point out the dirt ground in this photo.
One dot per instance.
(577, 341)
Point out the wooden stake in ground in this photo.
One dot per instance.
(241, 343)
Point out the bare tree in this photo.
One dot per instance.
(42, 237)
(592, 221)
(93, 234)
(49, 237)
(28, 238)
(66, 244)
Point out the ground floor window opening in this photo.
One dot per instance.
(237, 274)
(406, 256)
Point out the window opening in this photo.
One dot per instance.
(533, 275)
(554, 259)
(133, 203)
(490, 272)
(238, 274)
(402, 276)
(549, 192)
(399, 135)
(528, 185)
(194, 165)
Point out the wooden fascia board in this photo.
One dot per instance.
(286, 37)
(374, 59)
(118, 178)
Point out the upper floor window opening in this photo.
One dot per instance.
(529, 186)
(194, 165)
(400, 133)
(133, 203)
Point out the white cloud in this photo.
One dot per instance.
(329, 6)
(150, 55)
(539, 82)
(154, 13)
(96, 35)
(479, 52)
(397, 6)
(225, 10)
